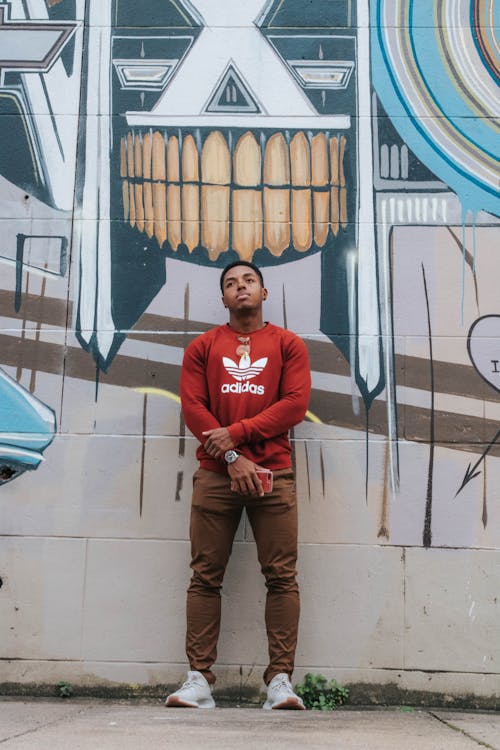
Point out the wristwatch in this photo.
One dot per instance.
(231, 456)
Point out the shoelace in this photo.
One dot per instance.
(190, 682)
(283, 683)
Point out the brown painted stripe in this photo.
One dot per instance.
(451, 378)
(128, 372)
(45, 310)
(324, 357)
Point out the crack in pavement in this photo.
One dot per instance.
(48, 724)
(449, 724)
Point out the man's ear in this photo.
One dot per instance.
(264, 293)
(222, 300)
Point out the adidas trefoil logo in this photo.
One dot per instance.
(246, 370)
(243, 373)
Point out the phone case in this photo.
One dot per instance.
(266, 477)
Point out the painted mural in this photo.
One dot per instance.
(38, 109)
(350, 150)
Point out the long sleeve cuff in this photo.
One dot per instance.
(237, 432)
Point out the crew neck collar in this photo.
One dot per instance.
(248, 333)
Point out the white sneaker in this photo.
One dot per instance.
(280, 694)
(195, 693)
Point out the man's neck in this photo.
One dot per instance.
(246, 323)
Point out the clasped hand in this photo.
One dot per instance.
(244, 478)
(218, 441)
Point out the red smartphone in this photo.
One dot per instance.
(266, 477)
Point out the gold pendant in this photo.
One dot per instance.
(242, 349)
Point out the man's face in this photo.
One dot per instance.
(242, 289)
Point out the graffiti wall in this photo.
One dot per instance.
(350, 149)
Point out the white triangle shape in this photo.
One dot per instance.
(232, 94)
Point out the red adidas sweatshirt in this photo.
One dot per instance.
(259, 399)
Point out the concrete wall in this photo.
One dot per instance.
(347, 147)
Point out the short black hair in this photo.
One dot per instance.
(240, 263)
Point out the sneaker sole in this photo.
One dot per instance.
(174, 702)
(291, 704)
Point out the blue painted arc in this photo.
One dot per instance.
(474, 194)
(429, 65)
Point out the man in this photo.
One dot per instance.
(243, 386)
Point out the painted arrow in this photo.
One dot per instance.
(471, 473)
(31, 46)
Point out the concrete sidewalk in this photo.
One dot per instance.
(76, 724)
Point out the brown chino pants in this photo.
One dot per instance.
(215, 515)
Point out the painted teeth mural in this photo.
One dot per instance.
(350, 149)
(283, 199)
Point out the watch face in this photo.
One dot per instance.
(230, 456)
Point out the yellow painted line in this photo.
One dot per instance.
(159, 392)
(313, 418)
